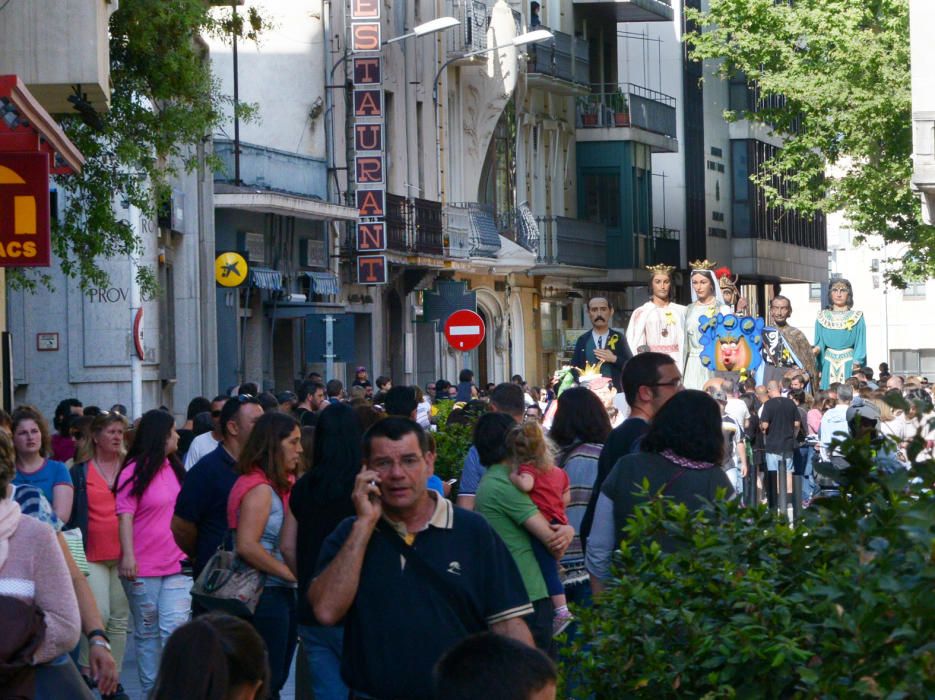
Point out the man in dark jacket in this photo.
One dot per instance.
(602, 343)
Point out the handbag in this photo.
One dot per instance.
(229, 584)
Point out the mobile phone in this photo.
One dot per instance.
(451, 482)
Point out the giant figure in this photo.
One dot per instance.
(706, 301)
(659, 324)
(840, 335)
(602, 344)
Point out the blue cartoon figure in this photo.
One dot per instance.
(731, 343)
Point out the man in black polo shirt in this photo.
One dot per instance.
(200, 520)
(405, 601)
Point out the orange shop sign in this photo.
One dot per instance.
(24, 210)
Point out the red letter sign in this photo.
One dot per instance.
(24, 210)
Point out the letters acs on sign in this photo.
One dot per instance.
(24, 210)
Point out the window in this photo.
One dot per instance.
(905, 361)
(914, 290)
(814, 291)
(602, 198)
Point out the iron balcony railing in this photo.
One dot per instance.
(628, 105)
(472, 230)
(413, 226)
(662, 247)
(565, 57)
(472, 35)
(565, 241)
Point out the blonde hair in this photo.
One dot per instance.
(527, 444)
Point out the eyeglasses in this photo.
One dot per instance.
(673, 382)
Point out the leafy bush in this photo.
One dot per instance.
(840, 605)
(452, 443)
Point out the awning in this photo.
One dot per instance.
(264, 278)
(269, 202)
(322, 282)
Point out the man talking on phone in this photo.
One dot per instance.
(410, 575)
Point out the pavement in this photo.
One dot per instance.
(130, 679)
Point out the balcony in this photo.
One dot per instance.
(472, 230)
(560, 65)
(413, 227)
(629, 10)
(268, 169)
(572, 242)
(628, 113)
(663, 247)
(472, 35)
(56, 46)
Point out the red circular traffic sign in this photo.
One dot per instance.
(464, 330)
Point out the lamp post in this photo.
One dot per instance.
(534, 37)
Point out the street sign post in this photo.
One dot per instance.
(464, 330)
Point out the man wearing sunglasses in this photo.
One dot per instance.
(206, 442)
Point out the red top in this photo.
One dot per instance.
(548, 491)
(103, 542)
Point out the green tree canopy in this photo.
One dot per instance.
(841, 71)
(164, 101)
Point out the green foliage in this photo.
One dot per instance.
(840, 605)
(842, 68)
(452, 443)
(164, 102)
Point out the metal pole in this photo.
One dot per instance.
(136, 364)
(329, 347)
(781, 495)
(796, 497)
(234, 30)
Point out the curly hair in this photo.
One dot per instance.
(689, 424)
(7, 462)
(527, 444)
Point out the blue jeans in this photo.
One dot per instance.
(274, 620)
(323, 647)
(773, 459)
(549, 567)
(158, 604)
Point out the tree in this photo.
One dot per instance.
(164, 102)
(838, 75)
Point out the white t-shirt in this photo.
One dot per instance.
(201, 445)
(737, 409)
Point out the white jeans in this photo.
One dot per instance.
(159, 604)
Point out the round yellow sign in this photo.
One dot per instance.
(230, 269)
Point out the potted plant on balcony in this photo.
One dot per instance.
(619, 106)
(588, 112)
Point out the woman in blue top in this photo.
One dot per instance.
(33, 466)
(840, 335)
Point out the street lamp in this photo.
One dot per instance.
(433, 25)
(534, 37)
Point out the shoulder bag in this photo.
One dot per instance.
(229, 584)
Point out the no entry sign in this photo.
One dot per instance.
(464, 330)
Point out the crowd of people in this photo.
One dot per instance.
(389, 582)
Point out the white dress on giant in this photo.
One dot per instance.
(694, 373)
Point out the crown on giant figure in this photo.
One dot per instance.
(703, 264)
(590, 372)
(660, 269)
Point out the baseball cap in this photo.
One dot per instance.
(361, 369)
(862, 409)
(284, 396)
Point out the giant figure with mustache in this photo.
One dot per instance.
(602, 343)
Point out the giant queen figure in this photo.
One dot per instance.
(840, 335)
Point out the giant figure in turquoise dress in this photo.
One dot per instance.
(840, 335)
(706, 301)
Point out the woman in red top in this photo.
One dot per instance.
(94, 512)
(532, 456)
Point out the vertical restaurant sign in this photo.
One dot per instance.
(369, 164)
(25, 236)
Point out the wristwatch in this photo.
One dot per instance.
(97, 633)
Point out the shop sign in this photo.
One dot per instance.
(25, 236)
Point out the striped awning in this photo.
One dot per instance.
(323, 282)
(264, 278)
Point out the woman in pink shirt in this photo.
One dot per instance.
(150, 562)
